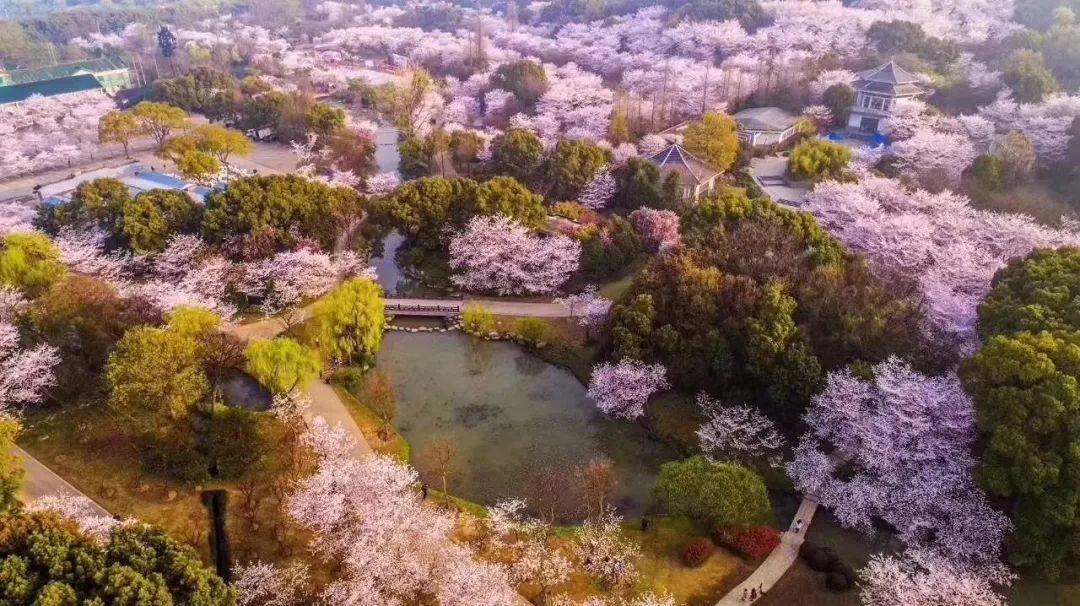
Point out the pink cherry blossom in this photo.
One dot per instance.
(500, 255)
(622, 390)
(658, 228)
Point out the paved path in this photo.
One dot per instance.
(771, 174)
(40, 481)
(778, 562)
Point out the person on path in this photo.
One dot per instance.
(761, 588)
(423, 492)
(753, 595)
(644, 524)
(744, 592)
(798, 525)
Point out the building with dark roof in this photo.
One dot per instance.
(765, 126)
(18, 93)
(876, 91)
(697, 176)
(112, 75)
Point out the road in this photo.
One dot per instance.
(40, 481)
(770, 173)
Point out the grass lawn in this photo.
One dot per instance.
(84, 446)
(395, 445)
(616, 288)
(661, 569)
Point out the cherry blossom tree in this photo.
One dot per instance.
(25, 373)
(261, 584)
(80, 510)
(658, 228)
(498, 254)
(919, 577)
(599, 191)
(84, 252)
(937, 241)
(525, 543)
(622, 390)
(590, 309)
(1046, 123)
(933, 156)
(737, 432)
(606, 553)
(287, 278)
(904, 440)
(382, 184)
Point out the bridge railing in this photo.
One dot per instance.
(420, 308)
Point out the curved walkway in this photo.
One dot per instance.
(777, 563)
(40, 481)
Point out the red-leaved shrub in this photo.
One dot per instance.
(757, 542)
(697, 551)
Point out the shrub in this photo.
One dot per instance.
(533, 331)
(697, 551)
(818, 558)
(477, 318)
(842, 568)
(351, 378)
(571, 210)
(818, 159)
(837, 582)
(757, 542)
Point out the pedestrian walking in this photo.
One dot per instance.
(798, 525)
(753, 594)
(423, 492)
(644, 524)
(761, 588)
(744, 592)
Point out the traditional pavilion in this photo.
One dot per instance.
(697, 176)
(876, 91)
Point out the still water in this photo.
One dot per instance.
(512, 417)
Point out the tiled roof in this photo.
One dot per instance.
(889, 79)
(52, 72)
(690, 168)
(48, 88)
(765, 119)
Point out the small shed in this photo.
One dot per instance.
(765, 126)
(697, 176)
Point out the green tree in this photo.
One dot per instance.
(276, 209)
(118, 127)
(282, 365)
(150, 218)
(988, 172)
(204, 90)
(1026, 74)
(518, 153)
(839, 98)
(95, 203)
(506, 196)
(324, 119)
(348, 322)
(422, 208)
(609, 247)
(1040, 292)
(525, 78)
(818, 159)
(46, 559)
(1062, 47)
(155, 377)
(714, 139)
(465, 148)
(30, 262)
(718, 494)
(573, 163)
(1026, 389)
(159, 120)
(11, 471)
(779, 355)
(637, 184)
(415, 161)
(197, 165)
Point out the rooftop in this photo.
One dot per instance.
(64, 70)
(48, 88)
(765, 119)
(692, 170)
(889, 78)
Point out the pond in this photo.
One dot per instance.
(513, 417)
(243, 391)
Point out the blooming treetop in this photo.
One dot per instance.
(598, 192)
(931, 154)
(498, 254)
(25, 374)
(1046, 124)
(737, 432)
(908, 438)
(391, 547)
(287, 278)
(936, 240)
(622, 389)
(588, 307)
(918, 577)
(606, 553)
(658, 228)
(261, 584)
(80, 510)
